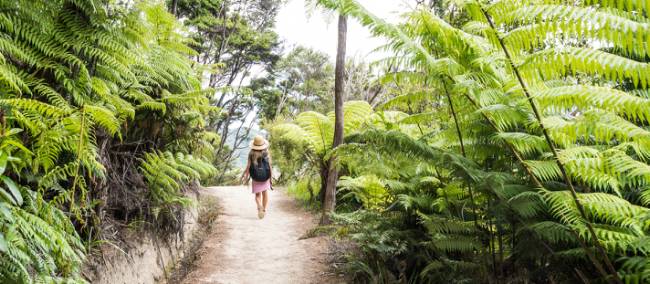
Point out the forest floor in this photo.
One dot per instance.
(245, 249)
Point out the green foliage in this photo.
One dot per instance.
(317, 130)
(301, 148)
(38, 240)
(378, 237)
(531, 153)
(305, 189)
(367, 190)
(167, 173)
(41, 244)
(231, 39)
(302, 80)
(87, 89)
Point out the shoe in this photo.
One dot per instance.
(260, 213)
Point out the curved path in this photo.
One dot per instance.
(245, 249)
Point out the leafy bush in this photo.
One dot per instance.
(530, 158)
(305, 189)
(101, 117)
(37, 241)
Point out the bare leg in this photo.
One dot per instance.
(265, 198)
(258, 200)
(260, 209)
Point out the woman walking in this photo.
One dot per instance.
(258, 168)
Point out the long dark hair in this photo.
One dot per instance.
(255, 156)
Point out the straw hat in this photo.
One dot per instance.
(259, 143)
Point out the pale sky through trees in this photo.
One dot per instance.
(318, 31)
(296, 26)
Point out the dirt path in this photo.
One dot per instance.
(245, 249)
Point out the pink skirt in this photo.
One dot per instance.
(259, 186)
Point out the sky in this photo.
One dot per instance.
(319, 31)
(296, 26)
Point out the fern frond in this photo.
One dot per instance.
(553, 63)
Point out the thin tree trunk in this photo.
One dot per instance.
(462, 150)
(500, 242)
(371, 99)
(174, 7)
(329, 202)
(492, 245)
(283, 99)
(453, 113)
(323, 181)
(311, 191)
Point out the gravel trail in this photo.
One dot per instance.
(244, 249)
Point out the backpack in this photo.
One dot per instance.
(261, 171)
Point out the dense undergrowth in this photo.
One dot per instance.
(101, 125)
(514, 149)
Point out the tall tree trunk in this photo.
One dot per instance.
(174, 7)
(329, 202)
(324, 170)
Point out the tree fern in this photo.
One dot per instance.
(550, 82)
(167, 173)
(317, 129)
(42, 243)
(86, 80)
